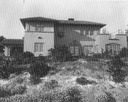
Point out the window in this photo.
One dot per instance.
(60, 32)
(113, 48)
(74, 50)
(88, 49)
(39, 28)
(38, 47)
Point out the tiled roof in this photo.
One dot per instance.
(12, 42)
(73, 22)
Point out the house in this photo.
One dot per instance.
(12, 46)
(81, 37)
(105, 42)
(42, 34)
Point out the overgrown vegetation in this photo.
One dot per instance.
(84, 81)
(123, 53)
(116, 69)
(60, 53)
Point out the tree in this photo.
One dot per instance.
(1, 47)
(116, 69)
(123, 52)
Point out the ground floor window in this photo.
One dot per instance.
(87, 49)
(74, 50)
(112, 48)
(38, 47)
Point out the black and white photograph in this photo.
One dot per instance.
(63, 50)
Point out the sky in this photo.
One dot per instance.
(113, 13)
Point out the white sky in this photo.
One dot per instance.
(111, 12)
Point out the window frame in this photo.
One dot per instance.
(38, 47)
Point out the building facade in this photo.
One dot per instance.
(81, 37)
(105, 42)
(42, 34)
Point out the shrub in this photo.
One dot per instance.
(123, 52)
(34, 79)
(9, 91)
(27, 54)
(18, 89)
(125, 99)
(39, 69)
(5, 69)
(72, 95)
(104, 97)
(51, 84)
(84, 81)
(60, 53)
(115, 69)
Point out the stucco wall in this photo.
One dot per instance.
(6, 51)
(32, 37)
(101, 40)
(123, 40)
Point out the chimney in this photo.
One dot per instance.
(71, 19)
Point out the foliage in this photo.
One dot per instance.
(73, 94)
(60, 53)
(23, 58)
(35, 79)
(115, 68)
(5, 69)
(1, 47)
(6, 91)
(51, 84)
(125, 99)
(39, 69)
(102, 96)
(28, 54)
(84, 81)
(124, 52)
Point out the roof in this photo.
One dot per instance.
(80, 22)
(37, 19)
(12, 42)
(72, 22)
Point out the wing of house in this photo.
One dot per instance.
(12, 45)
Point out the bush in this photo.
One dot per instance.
(23, 58)
(34, 79)
(123, 52)
(125, 99)
(39, 69)
(60, 53)
(116, 69)
(5, 69)
(84, 81)
(6, 91)
(72, 95)
(104, 97)
(27, 54)
(51, 84)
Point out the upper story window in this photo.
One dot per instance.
(38, 47)
(39, 27)
(60, 32)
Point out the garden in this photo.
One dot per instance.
(60, 77)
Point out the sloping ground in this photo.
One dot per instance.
(78, 81)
